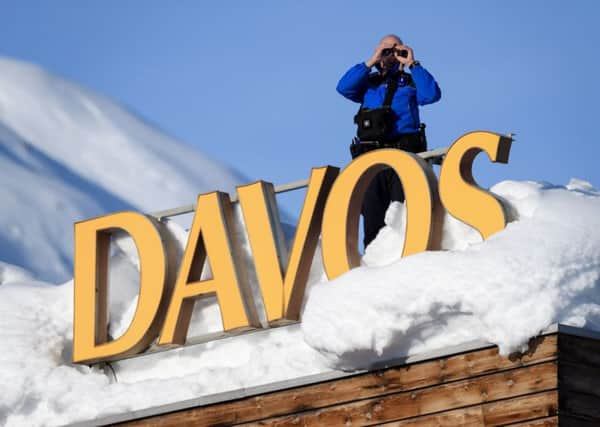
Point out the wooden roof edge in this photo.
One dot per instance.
(317, 378)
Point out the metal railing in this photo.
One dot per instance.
(433, 156)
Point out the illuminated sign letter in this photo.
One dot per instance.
(210, 237)
(283, 294)
(461, 196)
(92, 242)
(340, 220)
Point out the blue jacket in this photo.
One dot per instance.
(358, 87)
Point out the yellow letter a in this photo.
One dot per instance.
(210, 236)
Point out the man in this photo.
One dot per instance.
(388, 117)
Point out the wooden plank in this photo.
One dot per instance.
(378, 383)
(537, 407)
(542, 422)
(471, 416)
(519, 409)
(398, 406)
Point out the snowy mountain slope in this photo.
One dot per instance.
(40, 200)
(67, 154)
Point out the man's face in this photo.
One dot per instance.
(388, 61)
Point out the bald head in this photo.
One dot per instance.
(392, 38)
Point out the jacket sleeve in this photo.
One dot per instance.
(354, 83)
(428, 90)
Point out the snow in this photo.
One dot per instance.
(11, 273)
(67, 154)
(544, 268)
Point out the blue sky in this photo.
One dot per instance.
(253, 83)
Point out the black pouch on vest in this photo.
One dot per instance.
(375, 123)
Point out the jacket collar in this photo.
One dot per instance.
(395, 73)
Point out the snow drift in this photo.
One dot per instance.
(544, 268)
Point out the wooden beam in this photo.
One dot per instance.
(464, 417)
(510, 411)
(524, 410)
(425, 401)
(542, 422)
(367, 385)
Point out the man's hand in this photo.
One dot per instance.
(377, 54)
(410, 58)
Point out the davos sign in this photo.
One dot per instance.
(331, 210)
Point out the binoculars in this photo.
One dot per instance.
(402, 52)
